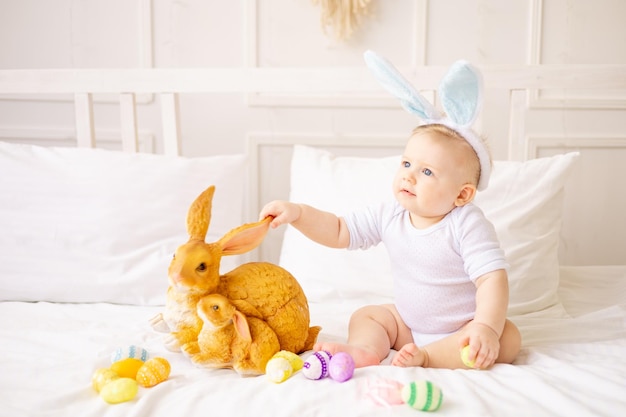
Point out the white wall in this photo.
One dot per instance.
(286, 33)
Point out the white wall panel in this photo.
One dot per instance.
(198, 33)
(578, 32)
(279, 33)
(79, 34)
(583, 32)
(289, 34)
(486, 32)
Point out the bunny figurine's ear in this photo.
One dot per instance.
(391, 79)
(244, 238)
(199, 214)
(460, 92)
(242, 327)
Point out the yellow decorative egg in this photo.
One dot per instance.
(296, 361)
(119, 390)
(153, 372)
(101, 377)
(465, 357)
(278, 369)
(127, 368)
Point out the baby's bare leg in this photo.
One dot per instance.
(445, 353)
(373, 331)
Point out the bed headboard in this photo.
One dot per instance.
(535, 110)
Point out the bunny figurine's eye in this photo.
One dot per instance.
(201, 267)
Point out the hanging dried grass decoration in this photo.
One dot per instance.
(343, 16)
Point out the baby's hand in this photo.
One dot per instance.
(484, 344)
(283, 212)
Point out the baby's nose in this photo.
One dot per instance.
(409, 178)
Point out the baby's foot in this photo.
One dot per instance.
(410, 355)
(362, 356)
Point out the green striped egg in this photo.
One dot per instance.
(422, 395)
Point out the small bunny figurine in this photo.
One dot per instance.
(263, 287)
(230, 339)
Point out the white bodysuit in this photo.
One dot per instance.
(434, 269)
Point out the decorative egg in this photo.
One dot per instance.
(385, 392)
(341, 367)
(119, 390)
(295, 360)
(278, 369)
(316, 365)
(153, 372)
(465, 357)
(130, 351)
(422, 395)
(127, 368)
(101, 377)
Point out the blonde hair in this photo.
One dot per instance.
(473, 165)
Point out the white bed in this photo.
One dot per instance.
(87, 235)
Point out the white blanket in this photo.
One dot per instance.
(571, 366)
(84, 269)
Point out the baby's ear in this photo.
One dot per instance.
(466, 195)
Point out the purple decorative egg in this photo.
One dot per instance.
(341, 367)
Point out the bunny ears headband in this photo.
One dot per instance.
(460, 92)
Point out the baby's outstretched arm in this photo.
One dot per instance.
(320, 226)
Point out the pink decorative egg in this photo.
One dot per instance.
(316, 365)
(385, 392)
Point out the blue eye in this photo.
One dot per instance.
(427, 172)
(406, 164)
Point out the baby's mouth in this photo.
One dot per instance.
(407, 192)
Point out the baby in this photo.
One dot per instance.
(450, 279)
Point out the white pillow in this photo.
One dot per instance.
(523, 201)
(338, 185)
(90, 225)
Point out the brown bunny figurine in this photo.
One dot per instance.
(256, 288)
(230, 339)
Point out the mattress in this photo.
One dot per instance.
(570, 364)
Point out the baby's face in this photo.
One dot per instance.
(433, 172)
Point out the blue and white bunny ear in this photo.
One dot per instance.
(461, 94)
(391, 79)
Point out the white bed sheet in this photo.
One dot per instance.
(568, 366)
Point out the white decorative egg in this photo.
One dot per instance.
(131, 351)
(316, 365)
